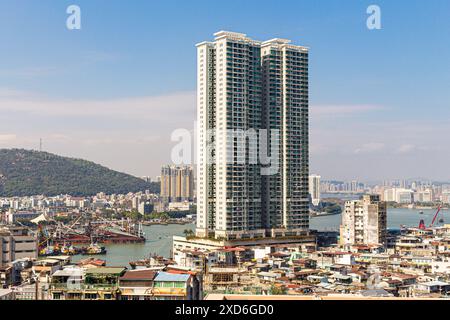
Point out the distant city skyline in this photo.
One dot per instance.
(378, 98)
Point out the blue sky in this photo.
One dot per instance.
(379, 98)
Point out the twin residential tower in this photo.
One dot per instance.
(252, 100)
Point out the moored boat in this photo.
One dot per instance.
(93, 249)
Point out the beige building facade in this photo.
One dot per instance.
(364, 221)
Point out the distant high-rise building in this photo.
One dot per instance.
(135, 202)
(445, 197)
(186, 183)
(314, 189)
(145, 207)
(425, 195)
(403, 184)
(398, 195)
(174, 184)
(165, 182)
(177, 183)
(364, 221)
(354, 186)
(244, 84)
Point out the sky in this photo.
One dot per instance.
(114, 91)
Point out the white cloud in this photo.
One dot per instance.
(317, 149)
(11, 93)
(171, 108)
(336, 110)
(109, 130)
(406, 148)
(370, 148)
(29, 73)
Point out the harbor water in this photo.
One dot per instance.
(159, 237)
(158, 241)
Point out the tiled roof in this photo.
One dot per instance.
(139, 275)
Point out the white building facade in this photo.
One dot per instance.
(245, 86)
(314, 189)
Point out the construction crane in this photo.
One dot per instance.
(422, 225)
(435, 217)
(64, 230)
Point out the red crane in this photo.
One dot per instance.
(435, 216)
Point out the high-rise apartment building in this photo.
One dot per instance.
(314, 189)
(364, 221)
(177, 183)
(185, 191)
(245, 86)
(165, 182)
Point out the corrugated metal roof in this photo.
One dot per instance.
(166, 277)
(106, 270)
(72, 272)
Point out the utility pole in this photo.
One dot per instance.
(36, 282)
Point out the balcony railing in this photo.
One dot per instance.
(83, 286)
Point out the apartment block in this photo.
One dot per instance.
(177, 183)
(364, 221)
(16, 243)
(244, 87)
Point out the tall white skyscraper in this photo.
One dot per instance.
(246, 85)
(314, 189)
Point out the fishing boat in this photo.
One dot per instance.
(154, 262)
(49, 251)
(323, 213)
(93, 249)
(69, 250)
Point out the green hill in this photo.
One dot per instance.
(25, 173)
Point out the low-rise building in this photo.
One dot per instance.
(6, 276)
(7, 294)
(137, 285)
(433, 287)
(17, 216)
(97, 284)
(176, 286)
